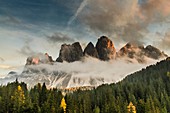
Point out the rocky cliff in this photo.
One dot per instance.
(90, 50)
(39, 59)
(105, 48)
(70, 53)
(139, 52)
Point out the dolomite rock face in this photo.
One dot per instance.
(139, 52)
(105, 48)
(39, 59)
(90, 50)
(70, 53)
(154, 52)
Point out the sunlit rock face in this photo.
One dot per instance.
(70, 53)
(132, 50)
(105, 48)
(90, 50)
(138, 52)
(39, 59)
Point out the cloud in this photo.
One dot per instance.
(1, 59)
(90, 68)
(26, 49)
(80, 8)
(7, 67)
(9, 19)
(126, 18)
(156, 8)
(165, 41)
(60, 37)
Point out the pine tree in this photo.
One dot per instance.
(141, 106)
(96, 110)
(168, 74)
(43, 95)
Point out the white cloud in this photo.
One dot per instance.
(126, 19)
(1, 59)
(114, 70)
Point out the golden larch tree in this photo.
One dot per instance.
(131, 108)
(18, 98)
(63, 105)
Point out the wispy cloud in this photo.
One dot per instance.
(7, 67)
(59, 37)
(26, 49)
(165, 41)
(80, 8)
(9, 19)
(1, 59)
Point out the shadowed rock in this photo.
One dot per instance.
(105, 48)
(70, 53)
(137, 51)
(90, 50)
(154, 52)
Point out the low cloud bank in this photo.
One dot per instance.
(114, 70)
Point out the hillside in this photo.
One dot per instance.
(147, 89)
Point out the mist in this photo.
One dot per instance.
(91, 68)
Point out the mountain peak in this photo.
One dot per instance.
(39, 59)
(139, 52)
(105, 48)
(154, 52)
(61, 76)
(90, 50)
(70, 53)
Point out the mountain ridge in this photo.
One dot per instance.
(103, 50)
(93, 66)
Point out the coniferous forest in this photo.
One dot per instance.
(146, 91)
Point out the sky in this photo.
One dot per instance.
(28, 27)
